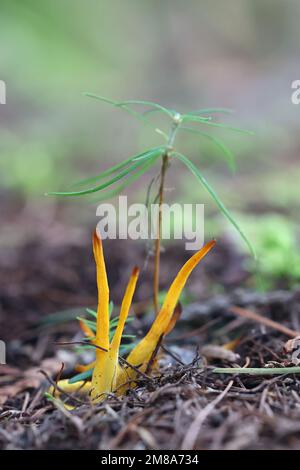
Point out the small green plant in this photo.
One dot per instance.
(275, 238)
(132, 168)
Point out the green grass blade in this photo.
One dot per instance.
(257, 370)
(218, 142)
(194, 170)
(82, 376)
(93, 313)
(62, 316)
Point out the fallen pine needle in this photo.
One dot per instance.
(250, 315)
(193, 432)
(257, 370)
(62, 408)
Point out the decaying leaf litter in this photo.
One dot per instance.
(184, 398)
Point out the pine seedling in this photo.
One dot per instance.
(114, 180)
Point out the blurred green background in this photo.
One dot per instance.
(241, 54)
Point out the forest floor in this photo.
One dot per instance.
(184, 404)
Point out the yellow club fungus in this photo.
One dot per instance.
(108, 375)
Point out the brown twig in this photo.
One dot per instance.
(136, 369)
(171, 354)
(58, 377)
(61, 390)
(84, 343)
(192, 433)
(154, 354)
(250, 315)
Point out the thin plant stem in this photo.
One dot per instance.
(164, 166)
(163, 170)
(257, 370)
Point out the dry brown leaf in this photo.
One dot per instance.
(213, 351)
(24, 380)
(292, 346)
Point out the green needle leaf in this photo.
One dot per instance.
(157, 106)
(211, 110)
(96, 188)
(131, 179)
(94, 313)
(218, 142)
(113, 180)
(121, 165)
(193, 169)
(110, 308)
(151, 153)
(122, 105)
(91, 312)
(193, 118)
(101, 98)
